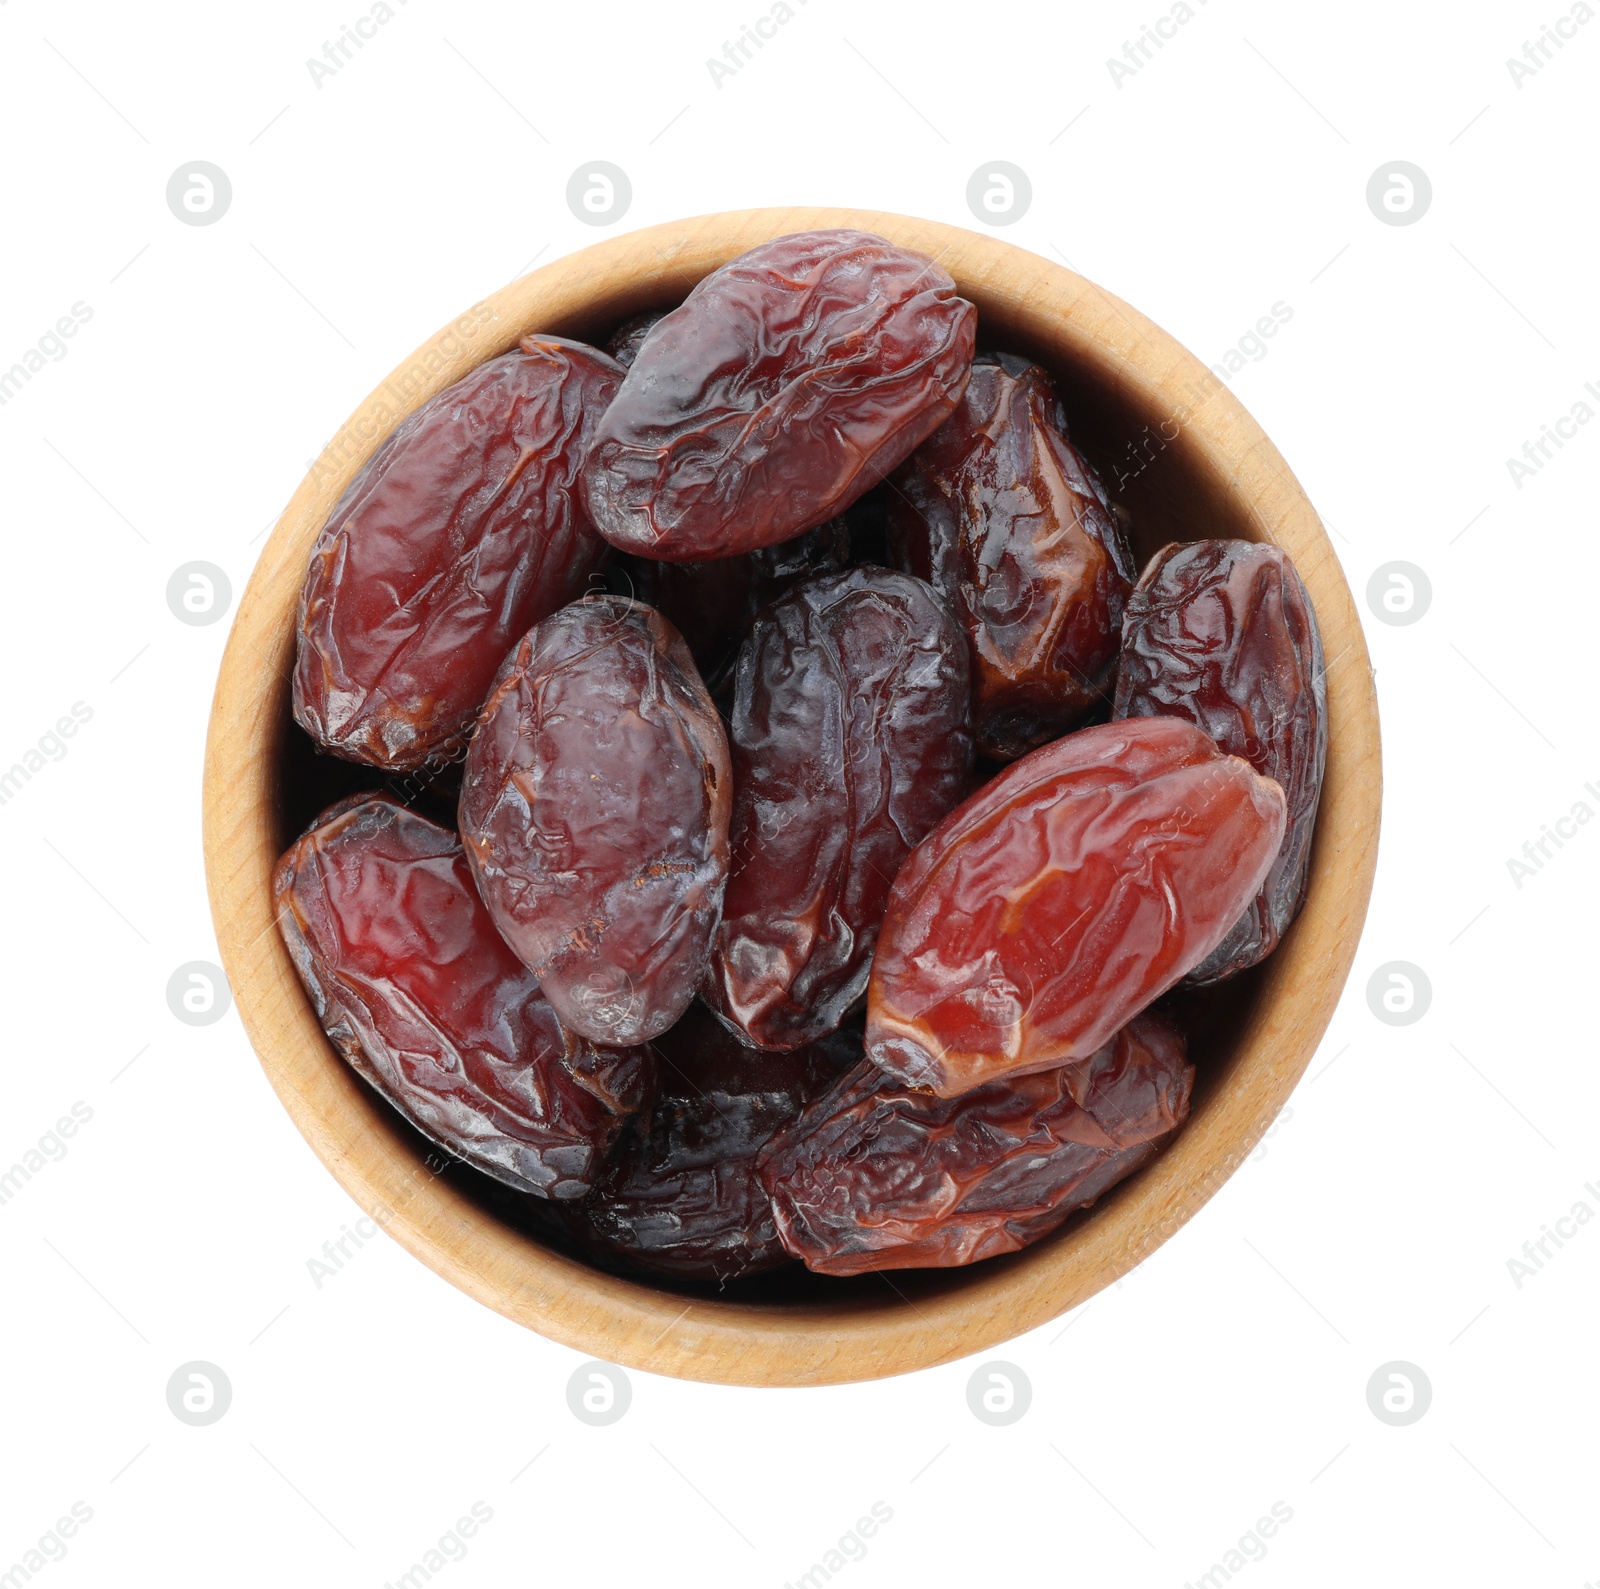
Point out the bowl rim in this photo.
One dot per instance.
(786, 1343)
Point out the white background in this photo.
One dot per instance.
(1229, 1372)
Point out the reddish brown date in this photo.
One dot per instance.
(1009, 522)
(787, 383)
(1222, 633)
(422, 997)
(876, 1175)
(595, 808)
(624, 343)
(463, 529)
(679, 1193)
(1062, 898)
(713, 604)
(850, 742)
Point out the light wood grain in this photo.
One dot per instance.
(1200, 466)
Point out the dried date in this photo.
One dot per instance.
(1222, 633)
(876, 1175)
(422, 997)
(1062, 898)
(786, 384)
(624, 343)
(595, 809)
(1010, 523)
(679, 1194)
(850, 742)
(463, 529)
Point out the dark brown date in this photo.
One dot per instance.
(713, 604)
(850, 742)
(595, 811)
(679, 1193)
(1008, 521)
(1222, 633)
(876, 1175)
(624, 343)
(463, 529)
(1063, 898)
(422, 997)
(787, 383)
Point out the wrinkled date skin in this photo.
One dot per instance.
(1009, 522)
(463, 530)
(1223, 633)
(876, 1175)
(1064, 897)
(786, 384)
(422, 997)
(679, 1193)
(713, 604)
(624, 343)
(595, 807)
(850, 742)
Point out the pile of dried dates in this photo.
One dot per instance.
(795, 828)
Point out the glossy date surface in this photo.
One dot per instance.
(464, 528)
(1063, 898)
(1223, 633)
(876, 1175)
(850, 742)
(420, 994)
(786, 384)
(678, 1194)
(1010, 523)
(594, 809)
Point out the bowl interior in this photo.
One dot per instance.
(1178, 452)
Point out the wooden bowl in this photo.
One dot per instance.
(1176, 447)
